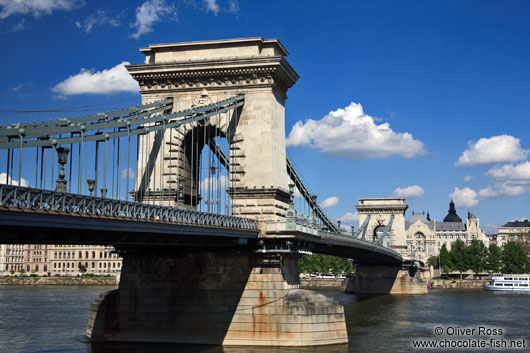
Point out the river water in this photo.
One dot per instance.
(53, 319)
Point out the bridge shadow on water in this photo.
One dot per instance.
(184, 348)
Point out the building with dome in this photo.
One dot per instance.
(425, 237)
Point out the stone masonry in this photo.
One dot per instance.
(219, 69)
(237, 298)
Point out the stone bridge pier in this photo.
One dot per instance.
(235, 297)
(388, 279)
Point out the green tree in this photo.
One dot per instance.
(433, 261)
(459, 256)
(318, 263)
(493, 262)
(477, 256)
(445, 260)
(514, 258)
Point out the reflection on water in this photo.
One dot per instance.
(53, 319)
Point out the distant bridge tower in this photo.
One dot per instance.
(387, 221)
(195, 73)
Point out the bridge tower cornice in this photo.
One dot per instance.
(215, 65)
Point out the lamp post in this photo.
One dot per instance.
(291, 192)
(62, 154)
(103, 192)
(180, 192)
(91, 184)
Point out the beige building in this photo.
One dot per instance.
(36, 259)
(62, 260)
(72, 260)
(425, 237)
(12, 258)
(518, 231)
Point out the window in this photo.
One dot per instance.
(508, 285)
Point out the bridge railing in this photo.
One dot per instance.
(311, 225)
(30, 199)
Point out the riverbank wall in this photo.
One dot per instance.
(60, 281)
(457, 284)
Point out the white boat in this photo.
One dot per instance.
(513, 283)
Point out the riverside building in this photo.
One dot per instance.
(59, 260)
(425, 237)
(518, 231)
(12, 258)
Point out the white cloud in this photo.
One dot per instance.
(410, 192)
(212, 6)
(150, 12)
(349, 132)
(18, 88)
(465, 197)
(20, 26)
(519, 171)
(116, 79)
(132, 173)
(99, 18)
(330, 202)
(510, 180)
(468, 178)
(211, 183)
(4, 179)
(35, 7)
(233, 6)
(495, 149)
(349, 218)
(502, 189)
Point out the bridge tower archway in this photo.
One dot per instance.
(387, 221)
(255, 67)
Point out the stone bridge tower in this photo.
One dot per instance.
(219, 69)
(385, 212)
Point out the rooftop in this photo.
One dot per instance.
(523, 223)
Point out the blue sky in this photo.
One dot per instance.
(424, 99)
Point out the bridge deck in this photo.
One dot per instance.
(34, 216)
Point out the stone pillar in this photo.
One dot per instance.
(387, 279)
(381, 210)
(231, 298)
(255, 67)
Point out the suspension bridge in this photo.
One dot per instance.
(194, 188)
